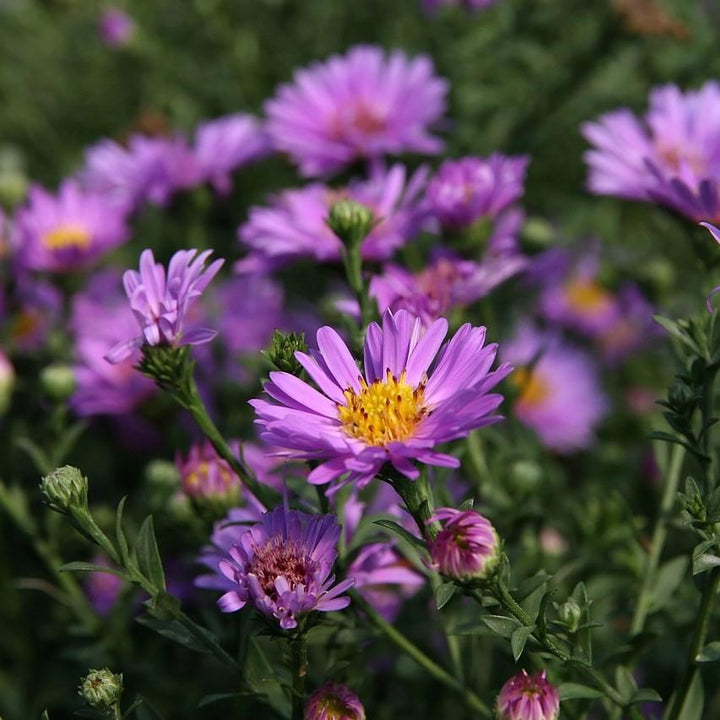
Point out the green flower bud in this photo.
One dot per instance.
(58, 381)
(162, 475)
(351, 221)
(282, 351)
(570, 614)
(65, 488)
(101, 688)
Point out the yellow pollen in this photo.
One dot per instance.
(68, 236)
(384, 412)
(586, 295)
(533, 389)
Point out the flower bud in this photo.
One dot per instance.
(467, 548)
(528, 696)
(58, 381)
(333, 701)
(570, 614)
(351, 221)
(162, 475)
(282, 351)
(7, 382)
(101, 688)
(65, 488)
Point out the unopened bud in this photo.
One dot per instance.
(282, 351)
(570, 614)
(351, 221)
(58, 381)
(101, 688)
(65, 488)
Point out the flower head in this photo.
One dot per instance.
(103, 589)
(365, 104)
(39, 305)
(414, 394)
(117, 28)
(528, 697)
(294, 225)
(467, 548)
(65, 489)
(160, 300)
(204, 473)
(282, 567)
(333, 701)
(101, 688)
(66, 232)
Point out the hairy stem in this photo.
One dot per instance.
(298, 660)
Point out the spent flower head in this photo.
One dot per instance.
(101, 688)
(334, 701)
(528, 697)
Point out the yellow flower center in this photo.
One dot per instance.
(384, 412)
(65, 237)
(586, 296)
(532, 388)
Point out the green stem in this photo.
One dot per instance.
(658, 540)
(412, 651)
(418, 503)
(117, 712)
(298, 659)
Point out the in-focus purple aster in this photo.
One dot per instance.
(559, 392)
(465, 190)
(116, 27)
(528, 697)
(224, 144)
(282, 566)
(333, 701)
(671, 156)
(160, 300)
(294, 226)
(364, 104)
(66, 232)
(414, 394)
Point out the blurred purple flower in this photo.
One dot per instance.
(37, 309)
(365, 104)
(203, 473)
(103, 589)
(528, 697)
(116, 27)
(160, 304)
(66, 232)
(431, 5)
(333, 701)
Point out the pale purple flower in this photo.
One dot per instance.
(224, 144)
(333, 701)
(116, 27)
(294, 226)
(282, 566)
(67, 231)
(671, 156)
(364, 104)
(466, 190)
(414, 394)
(103, 589)
(528, 697)
(100, 319)
(160, 303)
(559, 392)
(467, 548)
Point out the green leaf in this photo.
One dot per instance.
(710, 653)
(575, 691)
(173, 630)
(669, 577)
(467, 505)
(443, 593)
(705, 562)
(645, 695)
(501, 625)
(402, 532)
(532, 593)
(45, 715)
(677, 332)
(148, 555)
(626, 685)
(518, 640)
(218, 697)
(583, 637)
(119, 534)
(692, 708)
(92, 567)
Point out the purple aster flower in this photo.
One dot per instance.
(333, 701)
(117, 28)
(282, 567)
(224, 144)
(203, 473)
(100, 319)
(559, 393)
(66, 232)
(38, 305)
(528, 697)
(414, 394)
(465, 190)
(671, 156)
(294, 225)
(103, 589)
(365, 104)
(160, 304)
(467, 548)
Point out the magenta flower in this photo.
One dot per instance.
(66, 232)
(559, 393)
(671, 156)
(160, 304)
(225, 144)
(282, 567)
(333, 701)
(103, 589)
(117, 28)
(294, 225)
(365, 104)
(528, 697)
(465, 190)
(467, 548)
(415, 393)
(203, 473)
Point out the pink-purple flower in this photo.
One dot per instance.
(67, 231)
(334, 701)
(117, 28)
(203, 473)
(364, 104)
(528, 697)
(160, 300)
(282, 566)
(415, 393)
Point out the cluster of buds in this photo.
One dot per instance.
(282, 351)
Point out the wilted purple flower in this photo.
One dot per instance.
(203, 473)
(528, 697)
(282, 567)
(415, 393)
(365, 104)
(224, 144)
(465, 190)
(39, 305)
(66, 232)
(333, 701)
(672, 156)
(160, 305)
(559, 393)
(467, 548)
(117, 28)
(103, 589)
(100, 319)
(294, 225)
